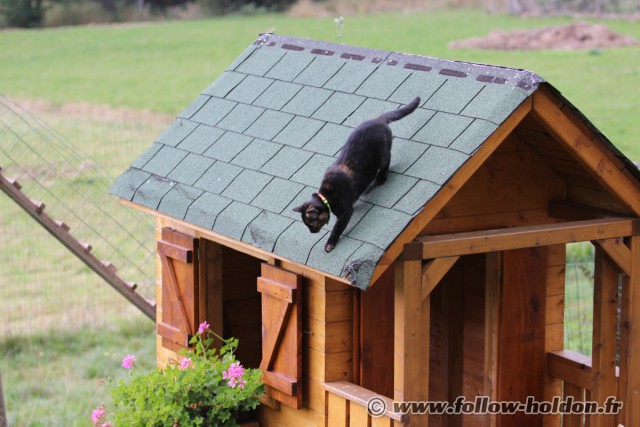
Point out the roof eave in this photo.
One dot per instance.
(240, 246)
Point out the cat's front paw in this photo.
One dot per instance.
(328, 247)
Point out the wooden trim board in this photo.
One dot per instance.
(428, 247)
(447, 192)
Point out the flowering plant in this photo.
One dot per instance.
(207, 387)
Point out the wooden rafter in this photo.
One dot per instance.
(618, 252)
(451, 188)
(433, 272)
(428, 247)
(587, 149)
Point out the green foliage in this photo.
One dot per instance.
(76, 12)
(201, 390)
(22, 13)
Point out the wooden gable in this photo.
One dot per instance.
(543, 165)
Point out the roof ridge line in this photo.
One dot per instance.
(521, 78)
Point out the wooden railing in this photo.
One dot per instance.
(347, 407)
(575, 371)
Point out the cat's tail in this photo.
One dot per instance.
(392, 116)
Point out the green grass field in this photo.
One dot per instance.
(162, 66)
(50, 378)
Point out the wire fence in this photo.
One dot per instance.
(578, 320)
(41, 284)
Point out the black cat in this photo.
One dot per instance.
(364, 157)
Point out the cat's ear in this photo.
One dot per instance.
(300, 208)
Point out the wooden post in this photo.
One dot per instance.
(521, 341)
(492, 325)
(411, 343)
(605, 317)
(211, 296)
(451, 357)
(632, 323)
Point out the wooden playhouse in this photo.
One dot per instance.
(449, 280)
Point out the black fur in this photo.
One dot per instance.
(364, 158)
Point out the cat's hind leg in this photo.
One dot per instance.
(381, 176)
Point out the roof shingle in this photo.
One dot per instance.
(256, 143)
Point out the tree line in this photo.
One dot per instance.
(31, 13)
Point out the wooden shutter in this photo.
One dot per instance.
(281, 334)
(178, 256)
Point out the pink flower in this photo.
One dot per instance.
(203, 327)
(128, 360)
(107, 424)
(97, 414)
(234, 375)
(185, 363)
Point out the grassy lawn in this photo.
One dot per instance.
(72, 327)
(51, 378)
(161, 66)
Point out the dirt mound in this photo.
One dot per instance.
(578, 35)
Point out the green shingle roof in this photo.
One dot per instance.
(257, 141)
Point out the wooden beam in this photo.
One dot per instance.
(617, 252)
(605, 323)
(411, 338)
(585, 147)
(573, 211)
(631, 321)
(447, 192)
(77, 248)
(570, 367)
(428, 247)
(433, 272)
(452, 344)
(360, 396)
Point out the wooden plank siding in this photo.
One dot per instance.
(499, 194)
(443, 197)
(587, 149)
(521, 341)
(554, 323)
(375, 363)
(327, 308)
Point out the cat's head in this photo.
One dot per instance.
(314, 215)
